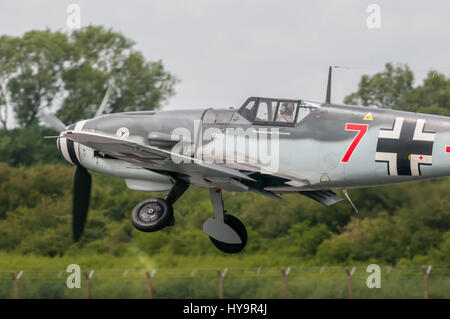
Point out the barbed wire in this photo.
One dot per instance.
(232, 272)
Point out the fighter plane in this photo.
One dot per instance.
(268, 146)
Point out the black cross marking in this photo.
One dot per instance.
(404, 147)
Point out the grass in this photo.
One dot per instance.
(196, 277)
(139, 260)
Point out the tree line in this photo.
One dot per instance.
(68, 73)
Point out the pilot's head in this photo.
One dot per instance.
(288, 108)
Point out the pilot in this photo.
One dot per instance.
(287, 112)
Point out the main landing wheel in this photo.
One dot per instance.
(239, 228)
(152, 214)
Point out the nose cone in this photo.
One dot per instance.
(68, 148)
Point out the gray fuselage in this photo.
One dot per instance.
(333, 146)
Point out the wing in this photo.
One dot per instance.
(152, 157)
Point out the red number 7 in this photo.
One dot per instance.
(362, 129)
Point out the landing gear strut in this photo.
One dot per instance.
(226, 232)
(156, 213)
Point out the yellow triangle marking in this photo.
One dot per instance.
(368, 117)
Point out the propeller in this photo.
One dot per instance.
(58, 125)
(52, 121)
(82, 180)
(81, 184)
(105, 100)
(80, 200)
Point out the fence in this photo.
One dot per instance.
(262, 282)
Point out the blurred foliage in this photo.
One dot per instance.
(70, 72)
(383, 89)
(406, 223)
(393, 88)
(26, 146)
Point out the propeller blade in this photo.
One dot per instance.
(105, 101)
(52, 121)
(81, 195)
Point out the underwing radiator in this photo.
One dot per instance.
(326, 197)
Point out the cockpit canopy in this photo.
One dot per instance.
(269, 111)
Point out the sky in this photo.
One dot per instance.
(224, 51)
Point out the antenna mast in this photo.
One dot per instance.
(328, 97)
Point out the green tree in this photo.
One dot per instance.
(45, 70)
(433, 96)
(100, 57)
(382, 89)
(8, 62)
(302, 239)
(37, 74)
(26, 146)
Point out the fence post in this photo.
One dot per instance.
(16, 278)
(426, 273)
(221, 275)
(150, 276)
(349, 280)
(285, 281)
(88, 277)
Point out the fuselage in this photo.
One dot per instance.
(329, 146)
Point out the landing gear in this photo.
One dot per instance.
(239, 228)
(226, 232)
(156, 213)
(152, 214)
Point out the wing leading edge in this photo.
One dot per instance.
(150, 156)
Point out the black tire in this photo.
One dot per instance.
(151, 215)
(239, 228)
